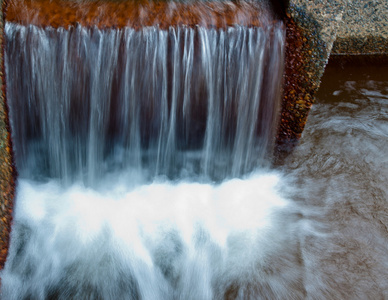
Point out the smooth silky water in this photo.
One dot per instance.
(166, 191)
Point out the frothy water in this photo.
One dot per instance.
(156, 241)
(150, 224)
(314, 229)
(139, 155)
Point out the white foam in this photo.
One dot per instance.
(164, 234)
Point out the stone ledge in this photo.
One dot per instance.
(356, 45)
(346, 26)
(325, 27)
(363, 28)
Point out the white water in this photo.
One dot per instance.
(155, 241)
(127, 143)
(315, 230)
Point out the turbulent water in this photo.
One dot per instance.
(104, 210)
(138, 154)
(156, 241)
(338, 175)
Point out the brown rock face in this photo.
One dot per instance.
(297, 98)
(7, 170)
(137, 14)
(304, 64)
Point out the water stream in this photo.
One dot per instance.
(165, 191)
(141, 158)
(164, 102)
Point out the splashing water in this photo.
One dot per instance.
(141, 231)
(156, 241)
(139, 154)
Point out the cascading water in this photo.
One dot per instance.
(138, 153)
(165, 101)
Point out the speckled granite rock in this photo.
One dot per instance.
(327, 16)
(363, 29)
(309, 43)
(324, 27)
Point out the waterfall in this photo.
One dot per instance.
(141, 155)
(86, 101)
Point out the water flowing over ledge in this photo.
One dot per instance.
(128, 142)
(334, 246)
(195, 101)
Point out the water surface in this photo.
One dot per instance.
(339, 175)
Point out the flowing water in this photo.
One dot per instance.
(338, 175)
(157, 101)
(164, 191)
(140, 156)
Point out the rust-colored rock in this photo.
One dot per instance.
(304, 65)
(7, 170)
(137, 14)
(296, 99)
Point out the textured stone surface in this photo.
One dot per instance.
(324, 27)
(309, 43)
(322, 19)
(363, 28)
(6, 165)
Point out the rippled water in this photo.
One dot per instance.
(339, 175)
